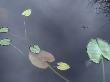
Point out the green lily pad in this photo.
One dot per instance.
(105, 48)
(3, 29)
(35, 49)
(98, 49)
(27, 12)
(5, 42)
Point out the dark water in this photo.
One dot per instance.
(56, 26)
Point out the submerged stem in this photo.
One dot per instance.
(26, 34)
(65, 79)
(103, 71)
(16, 36)
(25, 29)
(17, 49)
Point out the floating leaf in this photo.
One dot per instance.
(98, 48)
(41, 59)
(35, 49)
(46, 56)
(27, 12)
(94, 51)
(3, 29)
(105, 48)
(63, 66)
(5, 42)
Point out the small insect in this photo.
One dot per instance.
(84, 27)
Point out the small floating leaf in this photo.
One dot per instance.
(63, 66)
(35, 49)
(5, 42)
(3, 29)
(41, 59)
(27, 12)
(98, 48)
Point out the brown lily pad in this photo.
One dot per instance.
(42, 59)
(46, 56)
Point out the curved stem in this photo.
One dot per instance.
(103, 71)
(17, 49)
(65, 79)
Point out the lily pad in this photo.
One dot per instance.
(41, 59)
(46, 56)
(5, 42)
(3, 29)
(27, 12)
(35, 49)
(98, 49)
(63, 66)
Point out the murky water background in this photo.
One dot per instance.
(56, 26)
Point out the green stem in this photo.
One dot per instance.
(103, 71)
(65, 79)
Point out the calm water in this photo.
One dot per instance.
(56, 26)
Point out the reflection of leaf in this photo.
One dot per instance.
(35, 49)
(3, 29)
(27, 12)
(98, 48)
(5, 42)
(41, 59)
(63, 66)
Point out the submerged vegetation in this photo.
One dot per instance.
(102, 6)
